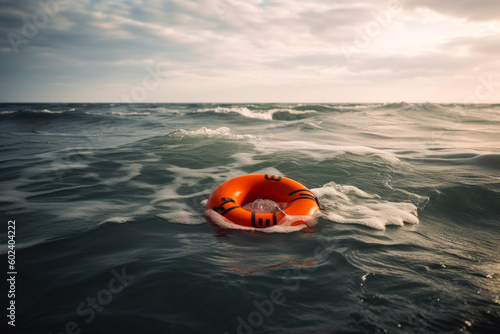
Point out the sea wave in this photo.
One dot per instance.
(130, 113)
(486, 161)
(34, 114)
(311, 148)
(258, 113)
(48, 111)
(204, 132)
(350, 106)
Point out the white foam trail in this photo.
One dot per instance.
(332, 189)
(180, 213)
(130, 113)
(117, 220)
(56, 167)
(350, 205)
(130, 171)
(191, 177)
(181, 217)
(140, 211)
(204, 132)
(244, 159)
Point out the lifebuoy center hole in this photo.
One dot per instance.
(264, 205)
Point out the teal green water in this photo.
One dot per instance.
(109, 203)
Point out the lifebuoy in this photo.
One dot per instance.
(229, 198)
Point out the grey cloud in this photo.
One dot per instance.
(429, 64)
(488, 45)
(473, 10)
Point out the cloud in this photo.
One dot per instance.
(484, 10)
(250, 50)
(486, 46)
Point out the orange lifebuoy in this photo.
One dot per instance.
(229, 198)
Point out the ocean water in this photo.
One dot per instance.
(110, 234)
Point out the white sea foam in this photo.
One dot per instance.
(332, 189)
(350, 205)
(92, 208)
(130, 113)
(181, 217)
(117, 220)
(293, 111)
(244, 159)
(55, 167)
(204, 132)
(257, 114)
(181, 213)
(359, 107)
(189, 177)
(129, 172)
(48, 111)
(243, 111)
(139, 211)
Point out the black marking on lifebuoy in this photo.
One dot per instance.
(296, 191)
(260, 223)
(226, 211)
(317, 202)
(303, 197)
(275, 219)
(224, 200)
(272, 177)
(253, 220)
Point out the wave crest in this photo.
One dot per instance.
(258, 114)
(204, 132)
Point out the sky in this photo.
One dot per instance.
(442, 51)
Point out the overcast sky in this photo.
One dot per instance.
(250, 51)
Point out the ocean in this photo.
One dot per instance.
(102, 208)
